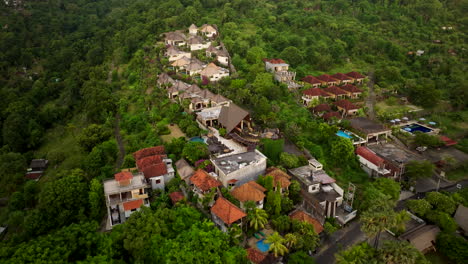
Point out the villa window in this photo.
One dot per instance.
(158, 181)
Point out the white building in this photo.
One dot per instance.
(237, 169)
(214, 73)
(125, 194)
(173, 54)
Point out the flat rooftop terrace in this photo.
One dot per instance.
(394, 153)
(111, 186)
(232, 163)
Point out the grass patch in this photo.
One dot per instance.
(175, 133)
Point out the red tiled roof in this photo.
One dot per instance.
(329, 115)
(148, 161)
(155, 170)
(335, 90)
(355, 75)
(322, 108)
(255, 255)
(326, 78)
(315, 92)
(341, 76)
(370, 156)
(158, 150)
(347, 105)
(176, 196)
(226, 211)
(123, 176)
(132, 205)
(275, 61)
(204, 181)
(312, 80)
(302, 216)
(249, 191)
(351, 88)
(448, 141)
(34, 175)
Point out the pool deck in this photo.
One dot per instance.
(252, 242)
(434, 131)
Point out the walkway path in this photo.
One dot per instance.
(370, 101)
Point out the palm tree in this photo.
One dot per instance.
(277, 244)
(377, 218)
(290, 240)
(400, 252)
(257, 218)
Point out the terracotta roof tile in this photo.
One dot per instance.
(315, 92)
(351, 88)
(279, 176)
(342, 77)
(148, 161)
(370, 156)
(329, 115)
(123, 176)
(155, 170)
(33, 175)
(176, 197)
(226, 211)
(204, 181)
(250, 191)
(303, 216)
(132, 205)
(255, 255)
(326, 78)
(321, 108)
(312, 80)
(158, 150)
(335, 90)
(347, 105)
(355, 75)
(275, 61)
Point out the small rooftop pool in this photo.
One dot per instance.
(415, 127)
(344, 134)
(197, 139)
(262, 246)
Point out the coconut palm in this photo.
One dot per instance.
(290, 240)
(377, 218)
(257, 218)
(277, 246)
(400, 252)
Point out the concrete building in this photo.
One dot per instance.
(237, 169)
(322, 196)
(155, 166)
(125, 194)
(372, 131)
(395, 158)
(371, 163)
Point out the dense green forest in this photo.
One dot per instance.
(73, 71)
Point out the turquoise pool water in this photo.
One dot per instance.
(343, 134)
(262, 246)
(197, 139)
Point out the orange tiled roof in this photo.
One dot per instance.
(123, 176)
(326, 78)
(132, 205)
(341, 76)
(148, 161)
(275, 61)
(204, 181)
(302, 216)
(176, 196)
(226, 211)
(255, 255)
(279, 176)
(158, 150)
(155, 170)
(250, 191)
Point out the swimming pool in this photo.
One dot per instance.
(197, 139)
(262, 246)
(343, 134)
(415, 127)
